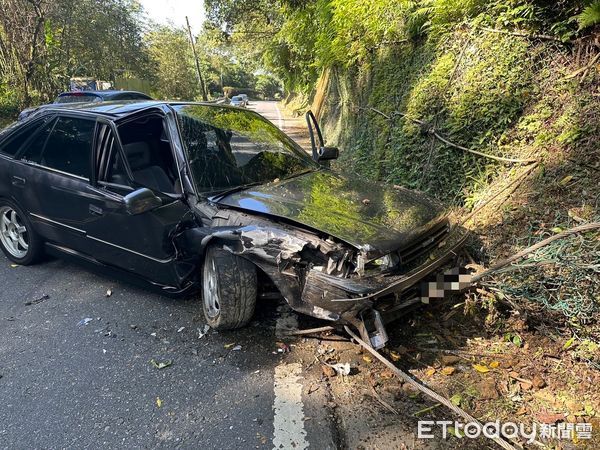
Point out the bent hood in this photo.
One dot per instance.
(373, 217)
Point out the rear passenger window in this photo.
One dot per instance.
(14, 144)
(33, 151)
(68, 147)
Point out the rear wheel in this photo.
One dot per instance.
(228, 289)
(17, 239)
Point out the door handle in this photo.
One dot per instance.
(96, 210)
(18, 181)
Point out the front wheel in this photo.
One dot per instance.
(228, 289)
(17, 239)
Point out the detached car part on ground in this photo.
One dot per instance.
(187, 197)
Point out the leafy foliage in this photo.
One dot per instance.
(171, 59)
(590, 15)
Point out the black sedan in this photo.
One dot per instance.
(188, 197)
(89, 97)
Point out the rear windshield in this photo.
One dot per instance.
(78, 98)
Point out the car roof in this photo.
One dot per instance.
(121, 108)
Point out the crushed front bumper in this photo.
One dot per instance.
(346, 299)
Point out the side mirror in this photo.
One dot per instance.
(141, 201)
(328, 153)
(316, 138)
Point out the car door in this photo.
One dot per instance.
(140, 243)
(51, 179)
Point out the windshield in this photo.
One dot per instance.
(78, 98)
(229, 148)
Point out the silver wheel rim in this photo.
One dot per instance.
(210, 289)
(13, 233)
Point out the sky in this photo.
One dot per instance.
(174, 12)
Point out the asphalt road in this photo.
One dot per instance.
(68, 384)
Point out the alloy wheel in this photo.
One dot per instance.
(13, 233)
(210, 288)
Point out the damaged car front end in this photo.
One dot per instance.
(337, 248)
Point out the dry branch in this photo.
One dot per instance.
(575, 230)
(544, 37)
(438, 136)
(434, 395)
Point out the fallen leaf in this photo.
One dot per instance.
(430, 371)
(538, 381)
(367, 359)
(516, 339)
(522, 410)
(456, 399)
(569, 343)
(328, 371)
(590, 411)
(158, 402)
(566, 180)
(481, 368)
(448, 360)
(14, 266)
(547, 417)
(448, 370)
(161, 365)
(387, 374)
(494, 364)
(228, 346)
(395, 356)
(454, 432)
(525, 385)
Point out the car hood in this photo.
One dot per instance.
(373, 217)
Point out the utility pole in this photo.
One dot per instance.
(200, 79)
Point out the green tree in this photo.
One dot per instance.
(268, 86)
(172, 62)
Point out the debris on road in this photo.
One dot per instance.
(37, 300)
(84, 322)
(237, 348)
(282, 347)
(203, 331)
(342, 370)
(158, 402)
(180, 329)
(109, 293)
(161, 365)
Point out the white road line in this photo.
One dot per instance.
(279, 117)
(289, 409)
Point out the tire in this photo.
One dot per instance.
(229, 289)
(19, 242)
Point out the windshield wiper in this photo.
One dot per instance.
(222, 194)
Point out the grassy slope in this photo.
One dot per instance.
(495, 93)
(503, 95)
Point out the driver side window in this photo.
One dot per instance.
(110, 165)
(147, 148)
